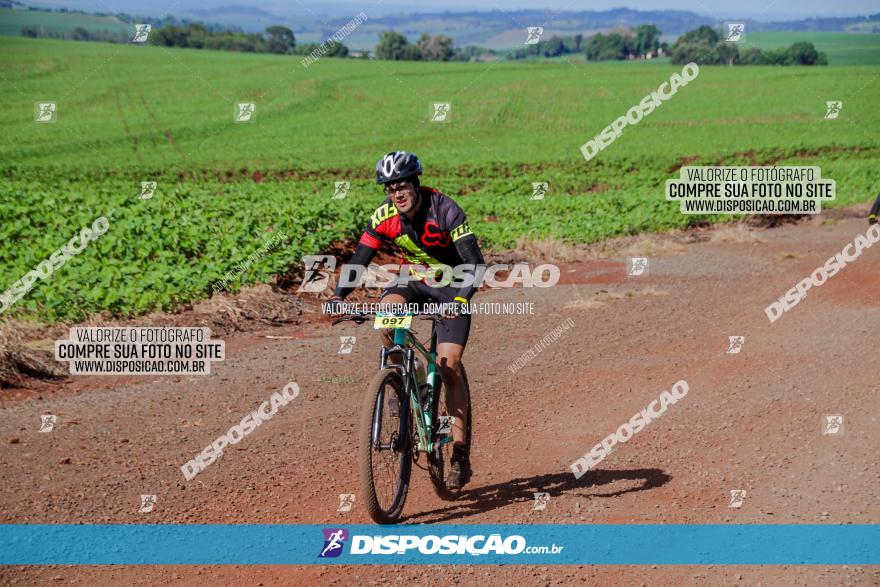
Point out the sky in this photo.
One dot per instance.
(763, 10)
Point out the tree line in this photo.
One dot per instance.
(705, 47)
(394, 46)
(702, 45)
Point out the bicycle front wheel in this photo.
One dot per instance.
(385, 448)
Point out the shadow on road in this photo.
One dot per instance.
(489, 497)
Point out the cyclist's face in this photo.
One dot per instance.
(403, 194)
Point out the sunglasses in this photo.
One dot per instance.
(399, 188)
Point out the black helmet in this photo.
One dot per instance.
(397, 165)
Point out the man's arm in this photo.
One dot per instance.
(375, 233)
(469, 251)
(465, 244)
(363, 254)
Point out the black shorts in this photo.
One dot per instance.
(454, 330)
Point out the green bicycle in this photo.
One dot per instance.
(404, 415)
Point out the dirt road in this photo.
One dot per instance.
(751, 421)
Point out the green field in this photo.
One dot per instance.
(12, 21)
(128, 114)
(841, 48)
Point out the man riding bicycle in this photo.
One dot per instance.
(431, 231)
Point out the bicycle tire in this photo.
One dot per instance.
(375, 396)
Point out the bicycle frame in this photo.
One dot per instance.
(407, 344)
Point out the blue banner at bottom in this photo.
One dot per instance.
(602, 544)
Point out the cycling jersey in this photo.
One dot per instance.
(426, 240)
(437, 235)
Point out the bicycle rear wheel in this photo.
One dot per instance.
(386, 465)
(440, 459)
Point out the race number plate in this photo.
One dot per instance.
(392, 322)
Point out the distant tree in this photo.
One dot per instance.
(553, 47)
(79, 34)
(279, 39)
(411, 53)
(699, 53)
(752, 56)
(435, 48)
(578, 39)
(777, 57)
(804, 53)
(647, 39)
(335, 49)
(726, 54)
(704, 34)
(605, 47)
(305, 48)
(30, 31)
(471, 52)
(392, 46)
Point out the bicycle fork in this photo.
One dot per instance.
(423, 428)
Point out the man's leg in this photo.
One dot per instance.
(457, 400)
(449, 361)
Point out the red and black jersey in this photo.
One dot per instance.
(437, 235)
(429, 239)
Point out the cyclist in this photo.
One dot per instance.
(875, 209)
(431, 230)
